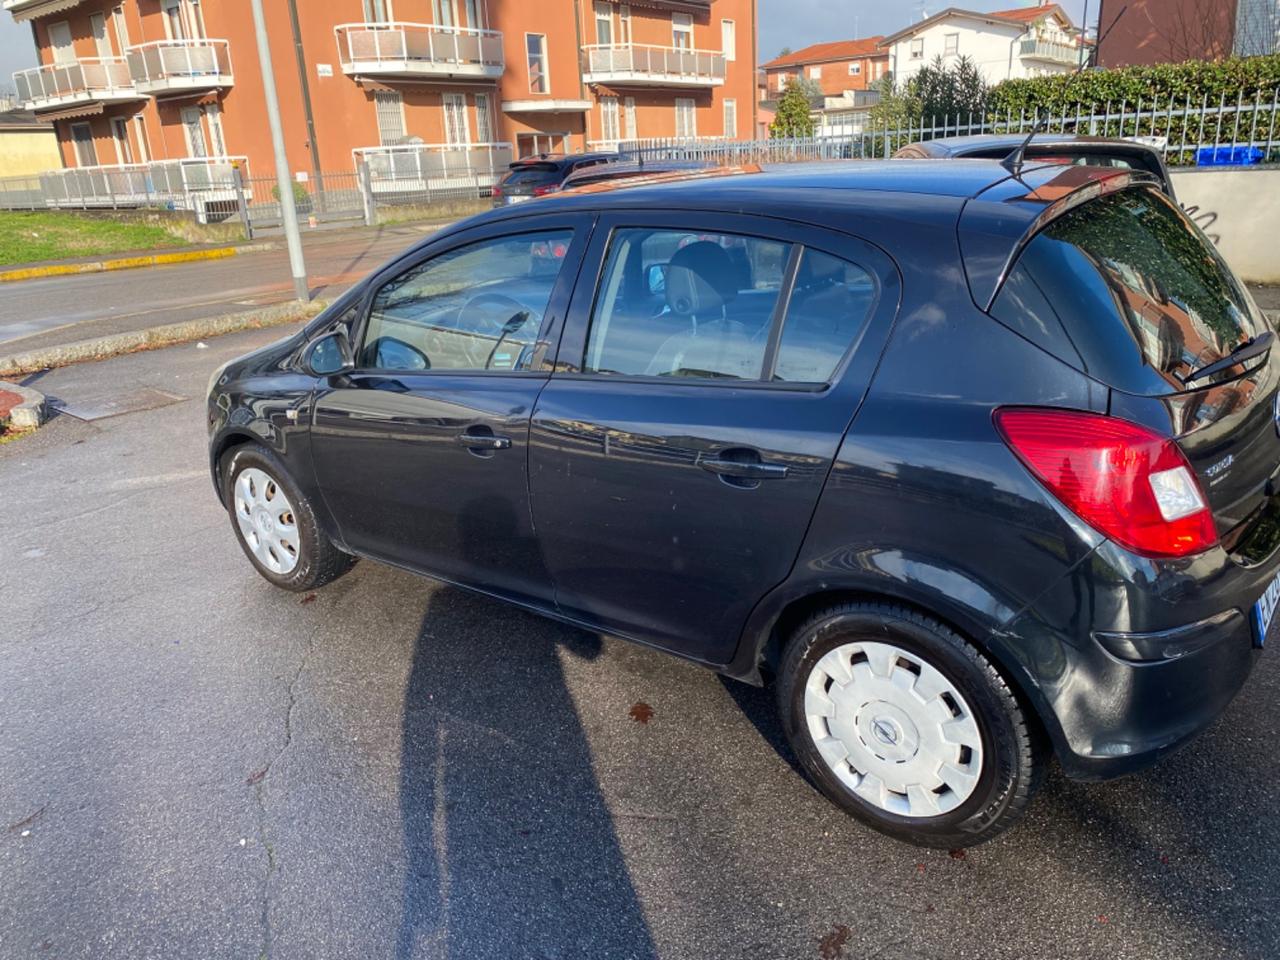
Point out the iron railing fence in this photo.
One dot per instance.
(1187, 133)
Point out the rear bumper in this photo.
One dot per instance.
(1129, 659)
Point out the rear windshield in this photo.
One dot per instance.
(1128, 290)
(533, 173)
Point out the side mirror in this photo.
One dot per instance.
(658, 279)
(329, 355)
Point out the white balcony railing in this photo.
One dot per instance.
(647, 65)
(418, 50)
(1050, 52)
(431, 166)
(76, 82)
(166, 66)
(201, 185)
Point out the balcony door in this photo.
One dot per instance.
(456, 132)
(60, 42)
(193, 131)
(182, 19)
(682, 31)
(82, 140)
(377, 11)
(443, 10)
(604, 24)
(98, 29)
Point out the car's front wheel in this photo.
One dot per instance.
(907, 726)
(275, 524)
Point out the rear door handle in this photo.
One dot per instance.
(483, 441)
(746, 471)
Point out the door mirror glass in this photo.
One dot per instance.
(330, 355)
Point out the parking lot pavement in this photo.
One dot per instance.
(194, 764)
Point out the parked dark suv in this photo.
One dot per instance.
(975, 468)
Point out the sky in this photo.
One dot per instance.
(783, 23)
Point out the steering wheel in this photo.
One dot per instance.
(489, 313)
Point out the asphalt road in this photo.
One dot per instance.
(41, 313)
(194, 764)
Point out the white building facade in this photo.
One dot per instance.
(1010, 44)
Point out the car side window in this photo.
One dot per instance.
(830, 304)
(477, 307)
(676, 303)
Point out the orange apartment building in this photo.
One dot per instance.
(457, 85)
(835, 67)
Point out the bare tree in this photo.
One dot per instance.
(1194, 29)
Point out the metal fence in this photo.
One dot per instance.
(1188, 133)
(222, 189)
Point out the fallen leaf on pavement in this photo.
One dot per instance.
(641, 712)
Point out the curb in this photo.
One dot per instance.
(31, 412)
(129, 263)
(151, 338)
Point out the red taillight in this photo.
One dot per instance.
(1129, 483)
(545, 189)
(497, 190)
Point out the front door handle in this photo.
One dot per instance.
(483, 441)
(745, 470)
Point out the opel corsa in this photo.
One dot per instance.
(978, 469)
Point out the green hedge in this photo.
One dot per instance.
(1243, 77)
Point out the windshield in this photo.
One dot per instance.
(1127, 288)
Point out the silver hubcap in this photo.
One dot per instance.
(893, 729)
(267, 521)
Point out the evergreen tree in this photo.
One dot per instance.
(793, 118)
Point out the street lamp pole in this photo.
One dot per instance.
(288, 211)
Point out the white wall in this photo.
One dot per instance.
(992, 47)
(1238, 209)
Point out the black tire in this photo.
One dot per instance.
(319, 561)
(1013, 759)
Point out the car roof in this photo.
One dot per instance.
(632, 168)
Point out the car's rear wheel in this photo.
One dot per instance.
(907, 726)
(275, 524)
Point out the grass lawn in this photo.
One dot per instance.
(31, 237)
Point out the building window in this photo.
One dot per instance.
(731, 119)
(175, 24)
(484, 119)
(98, 30)
(444, 12)
(475, 15)
(815, 73)
(729, 39)
(377, 11)
(82, 139)
(536, 47)
(917, 48)
(193, 130)
(143, 145)
(624, 23)
(686, 123)
(214, 114)
(609, 119)
(855, 68)
(455, 119)
(951, 44)
(390, 108)
(682, 31)
(629, 115)
(121, 28)
(604, 24)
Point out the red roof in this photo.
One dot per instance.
(836, 50)
(1026, 14)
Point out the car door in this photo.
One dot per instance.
(701, 390)
(422, 451)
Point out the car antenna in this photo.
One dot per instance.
(1014, 161)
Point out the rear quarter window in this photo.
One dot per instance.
(1125, 288)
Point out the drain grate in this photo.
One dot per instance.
(99, 408)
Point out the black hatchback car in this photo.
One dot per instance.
(976, 469)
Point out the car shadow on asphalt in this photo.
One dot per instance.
(510, 846)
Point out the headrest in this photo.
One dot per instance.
(700, 279)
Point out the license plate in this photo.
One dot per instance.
(1264, 610)
(516, 199)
